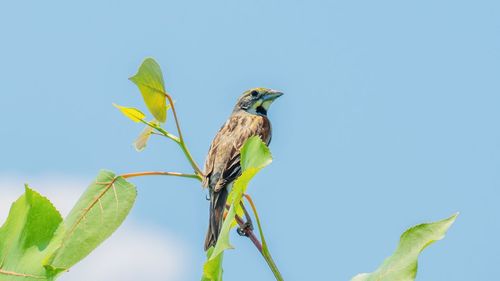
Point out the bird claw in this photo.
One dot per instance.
(244, 229)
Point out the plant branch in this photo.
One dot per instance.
(162, 131)
(265, 251)
(153, 173)
(181, 141)
(248, 232)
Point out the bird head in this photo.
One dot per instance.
(257, 100)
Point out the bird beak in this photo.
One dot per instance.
(272, 95)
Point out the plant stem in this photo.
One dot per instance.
(184, 148)
(262, 248)
(162, 131)
(167, 134)
(249, 233)
(181, 141)
(265, 250)
(152, 173)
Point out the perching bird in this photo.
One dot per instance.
(222, 167)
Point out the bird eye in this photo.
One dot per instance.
(254, 93)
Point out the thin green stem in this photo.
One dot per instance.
(153, 173)
(182, 143)
(167, 134)
(162, 131)
(179, 141)
(248, 233)
(184, 148)
(265, 250)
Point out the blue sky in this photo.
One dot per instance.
(390, 119)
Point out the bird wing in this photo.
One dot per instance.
(223, 161)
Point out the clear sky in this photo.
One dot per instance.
(390, 118)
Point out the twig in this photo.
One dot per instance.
(162, 131)
(248, 232)
(178, 140)
(152, 173)
(265, 251)
(181, 142)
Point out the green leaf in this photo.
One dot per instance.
(255, 153)
(402, 265)
(149, 80)
(142, 140)
(254, 156)
(133, 114)
(36, 244)
(212, 270)
(27, 236)
(96, 215)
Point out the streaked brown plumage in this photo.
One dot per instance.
(222, 166)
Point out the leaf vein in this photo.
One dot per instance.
(6, 272)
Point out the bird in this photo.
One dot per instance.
(222, 165)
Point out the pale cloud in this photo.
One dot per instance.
(62, 191)
(134, 252)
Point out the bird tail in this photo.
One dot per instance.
(217, 207)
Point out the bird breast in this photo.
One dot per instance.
(223, 160)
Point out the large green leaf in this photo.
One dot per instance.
(27, 237)
(254, 156)
(402, 265)
(96, 215)
(149, 80)
(36, 244)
